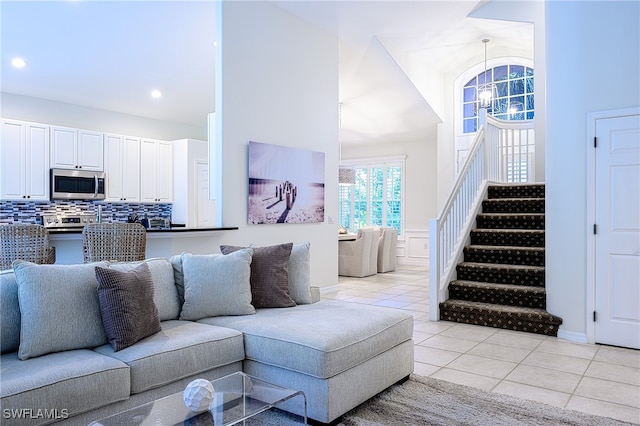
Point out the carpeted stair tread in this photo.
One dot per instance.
(501, 273)
(514, 255)
(502, 294)
(510, 221)
(513, 205)
(501, 282)
(530, 320)
(516, 191)
(508, 237)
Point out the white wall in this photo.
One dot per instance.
(277, 83)
(62, 114)
(593, 64)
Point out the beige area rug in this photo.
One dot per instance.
(426, 401)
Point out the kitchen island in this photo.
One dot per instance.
(162, 242)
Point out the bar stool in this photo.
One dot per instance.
(121, 242)
(28, 242)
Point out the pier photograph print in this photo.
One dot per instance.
(286, 185)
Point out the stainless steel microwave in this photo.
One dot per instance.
(77, 185)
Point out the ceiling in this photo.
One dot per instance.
(110, 55)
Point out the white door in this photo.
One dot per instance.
(205, 213)
(617, 240)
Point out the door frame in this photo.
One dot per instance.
(591, 212)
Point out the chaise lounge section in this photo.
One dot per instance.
(340, 354)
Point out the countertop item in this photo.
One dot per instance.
(59, 231)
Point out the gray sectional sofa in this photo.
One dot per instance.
(58, 363)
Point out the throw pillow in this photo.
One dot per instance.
(178, 276)
(300, 274)
(165, 294)
(59, 308)
(10, 312)
(269, 275)
(129, 313)
(216, 285)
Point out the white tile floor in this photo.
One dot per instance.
(596, 379)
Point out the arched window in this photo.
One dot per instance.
(512, 95)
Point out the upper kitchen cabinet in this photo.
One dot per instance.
(76, 149)
(156, 171)
(24, 157)
(122, 168)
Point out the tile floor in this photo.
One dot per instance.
(596, 379)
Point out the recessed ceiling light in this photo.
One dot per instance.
(18, 62)
(156, 94)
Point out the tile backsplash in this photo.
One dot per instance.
(30, 211)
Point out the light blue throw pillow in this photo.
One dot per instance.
(59, 308)
(300, 273)
(9, 312)
(216, 284)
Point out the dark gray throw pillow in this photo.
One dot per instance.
(128, 311)
(269, 275)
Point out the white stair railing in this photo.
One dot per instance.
(515, 157)
(502, 152)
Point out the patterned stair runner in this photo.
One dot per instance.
(501, 281)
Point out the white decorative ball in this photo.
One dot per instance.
(198, 395)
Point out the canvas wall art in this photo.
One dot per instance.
(286, 185)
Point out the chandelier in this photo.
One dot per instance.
(346, 174)
(487, 90)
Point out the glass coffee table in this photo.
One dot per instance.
(237, 397)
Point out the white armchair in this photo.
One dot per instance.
(359, 257)
(387, 250)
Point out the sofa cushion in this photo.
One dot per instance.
(59, 308)
(178, 276)
(300, 274)
(75, 381)
(165, 292)
(10, 312)
(321, 339)
(269, 275)
(216, 285)
(126, 304)
(181, 349)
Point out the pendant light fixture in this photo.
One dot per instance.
(486, 90)
(346, 175)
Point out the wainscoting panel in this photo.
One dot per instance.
(414, 249)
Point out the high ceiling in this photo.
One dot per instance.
(110, 55)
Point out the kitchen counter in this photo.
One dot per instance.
(181, 229)
(163, 242)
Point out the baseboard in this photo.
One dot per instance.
(572, 336)
(413, 262)
(329, 289)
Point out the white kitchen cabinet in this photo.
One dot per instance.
(122, 168)
(156, 171)
(76, 149)
(24, 157)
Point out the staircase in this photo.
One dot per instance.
(501, 282)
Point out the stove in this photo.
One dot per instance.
(67, 221)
